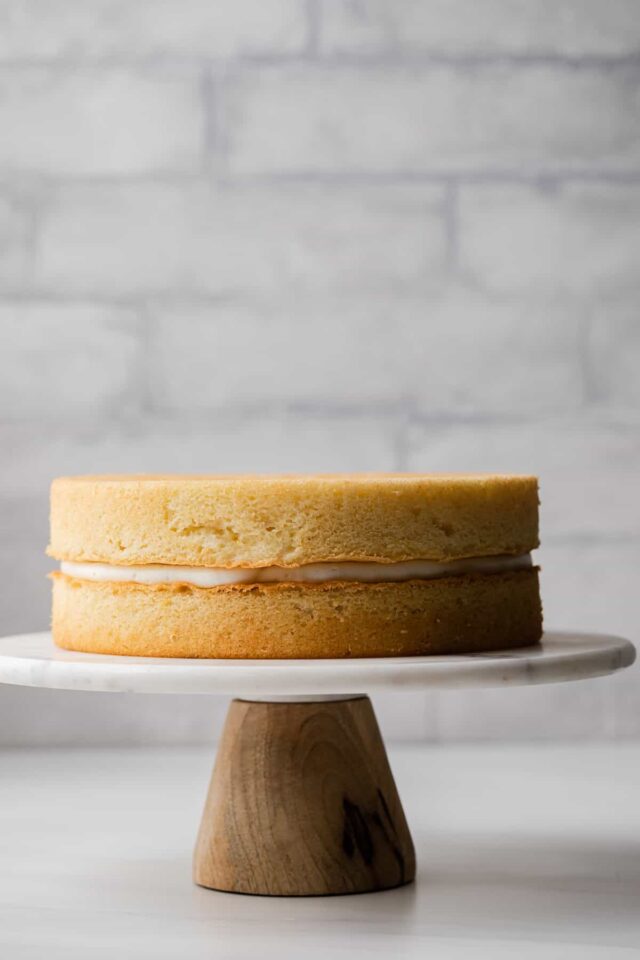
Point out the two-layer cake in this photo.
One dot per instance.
(354, 565)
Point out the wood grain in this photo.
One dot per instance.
(302, 802)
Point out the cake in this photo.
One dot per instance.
(297, 566)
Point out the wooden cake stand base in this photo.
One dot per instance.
(302, 802)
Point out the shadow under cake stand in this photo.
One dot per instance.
(302, 800)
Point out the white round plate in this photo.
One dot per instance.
(32, 660)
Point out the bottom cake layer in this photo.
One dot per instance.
(300, 621)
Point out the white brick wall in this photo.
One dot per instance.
(65, 361)
(439, 354)
(461, 28)
(100, 122)
(615, 345)
(579, 238)
(433, 118)
(15, 237)
(326, 235)
(200, 239)
(230, 360)
(85, 30)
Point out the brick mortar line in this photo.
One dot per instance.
(409, 58)
(400, 444)
(243, 412)
(399, 413)
(192, 299)
(592, 393)
(53, 299)
(362, 178)
(545, 176)
(452, 226)
(162, 301)
(26, 180)
(579, 539)
(211, 133)
(313, 16)
(144, 362)
(587, 414)
(156, 61)
(327, 61)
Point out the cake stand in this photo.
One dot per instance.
(302, 800)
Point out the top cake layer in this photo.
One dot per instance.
(270, 520)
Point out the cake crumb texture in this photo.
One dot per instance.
(280, 520)
(290, 620)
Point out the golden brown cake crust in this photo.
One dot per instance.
(292, 620)
(265, 520)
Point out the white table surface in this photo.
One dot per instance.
(524, 852)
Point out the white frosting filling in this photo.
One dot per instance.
(362, 572)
